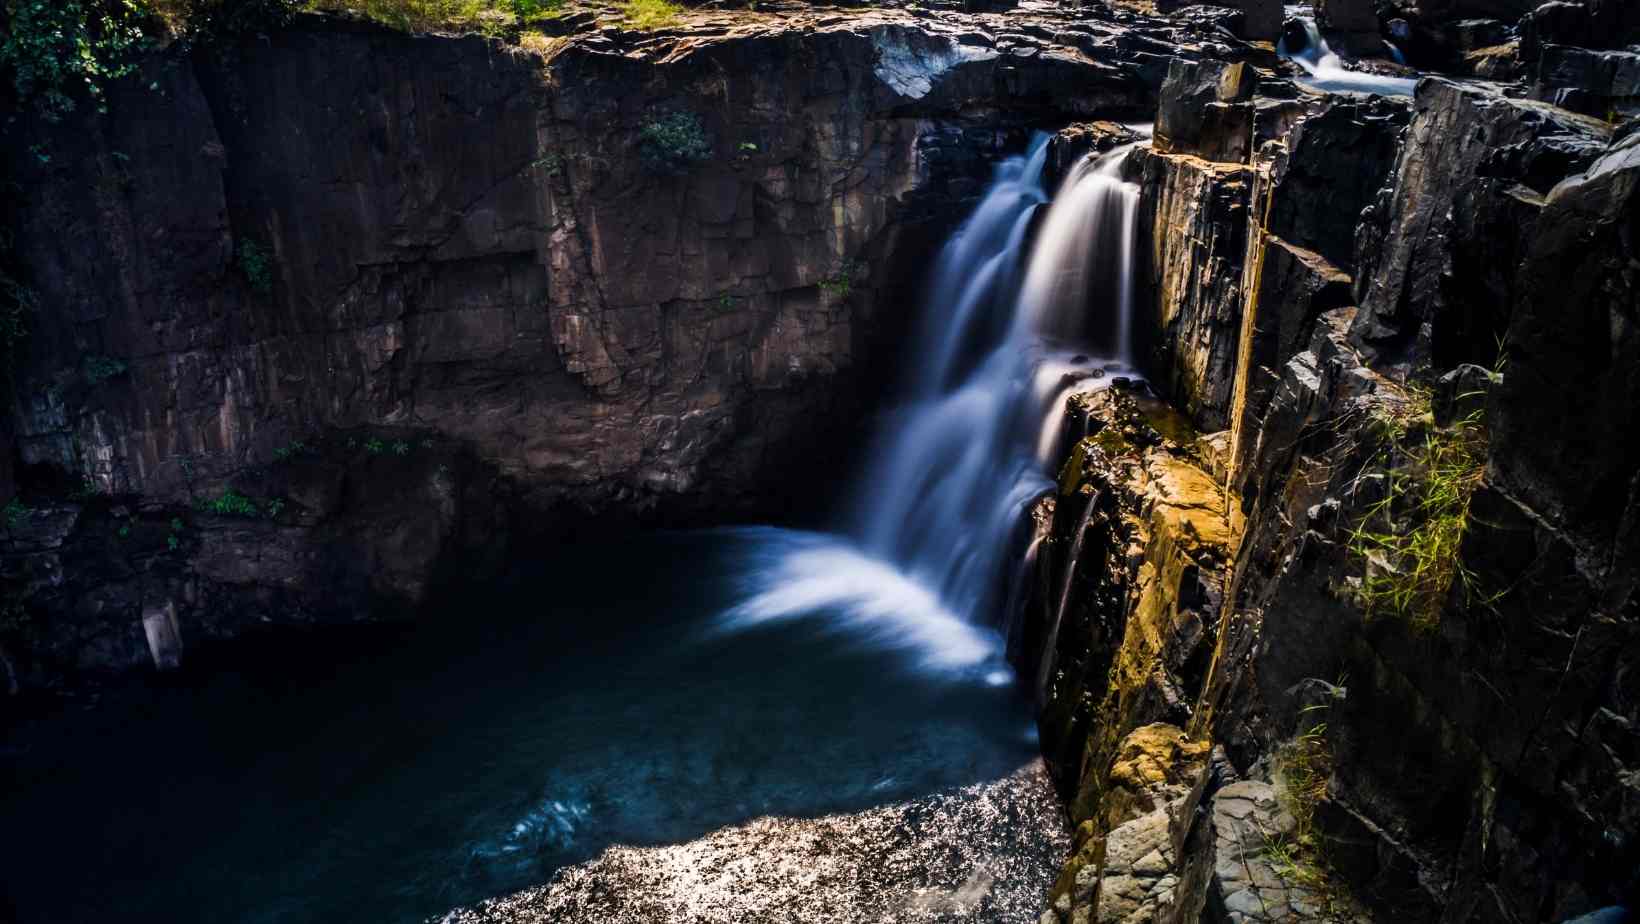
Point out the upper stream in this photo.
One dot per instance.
(662, 693)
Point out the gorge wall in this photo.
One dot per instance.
(329, 316)
(1261, 704)
(327, 313)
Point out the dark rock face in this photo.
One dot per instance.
(1341, 154)
(1351, 25)
(1459, 157)
(1575, 349)
(1206, 110)
(277, 261)
(1477, 770)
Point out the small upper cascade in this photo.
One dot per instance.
(1012, 327)
(1326, 69)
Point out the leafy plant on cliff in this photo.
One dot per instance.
(15, 513)
(841, 283)
(17, 304)
(650, 14)
(256, 266)
(1409, 541)
(231, 504)
(56, 52)
(99, 369)
(673, 142)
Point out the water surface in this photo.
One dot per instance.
(606, 694)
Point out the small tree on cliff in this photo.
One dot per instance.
(672, 143)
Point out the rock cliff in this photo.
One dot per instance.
(327, 314)
(1348, 635)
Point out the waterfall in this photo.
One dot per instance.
(1005, 337)
(1327, 72)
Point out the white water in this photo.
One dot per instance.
(1005, 338)
(1327, 72)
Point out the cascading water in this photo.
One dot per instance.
(1003, 341)
(1327, 72)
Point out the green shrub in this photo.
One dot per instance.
(841, 284)
(290, 450)
(231, 504)
(375, 447)
(53, 51)
(275, 507)
(401, 448)
(673, 142)
(99, 369)
(257, 267)
(17, 304)
(15, 513)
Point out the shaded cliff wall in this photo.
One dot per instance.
(1337, 759)
(331, 315)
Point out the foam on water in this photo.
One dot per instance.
(1327, 72)
(1012, 328)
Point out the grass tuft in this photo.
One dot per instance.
(651, 14)
(1409, 541)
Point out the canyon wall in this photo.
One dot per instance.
(1378, 297)
(331, 316)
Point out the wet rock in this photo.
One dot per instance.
(1073, 142)
(974, 854)
(1261, 19)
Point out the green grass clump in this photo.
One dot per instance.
(491, 17)
(651, 14)
(1303, 771)
(1410, 540)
